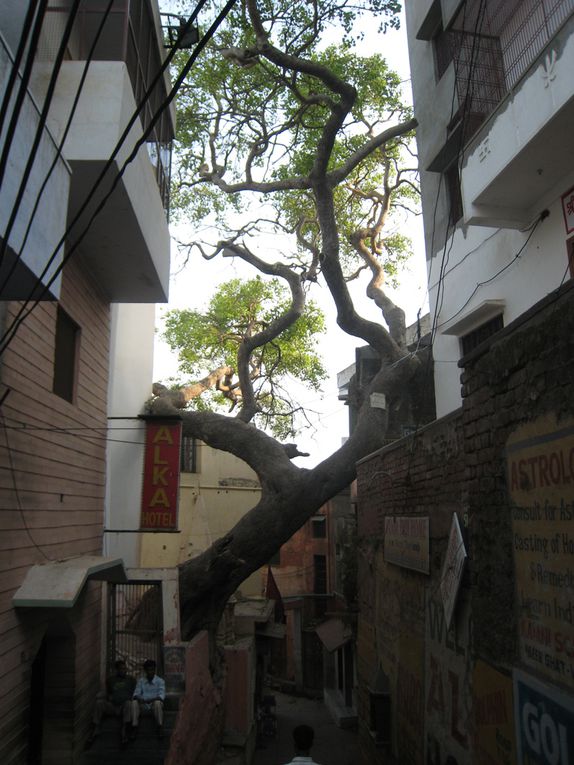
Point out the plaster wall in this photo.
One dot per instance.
(470, 278)
(131, 362)
(199, 727)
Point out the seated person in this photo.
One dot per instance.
(148, 696)
(116, 701)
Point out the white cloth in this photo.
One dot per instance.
(306, 760)
(149, 690)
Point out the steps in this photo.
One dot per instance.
(146, 749)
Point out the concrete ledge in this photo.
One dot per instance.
(344, 716)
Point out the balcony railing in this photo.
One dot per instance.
(492, 46)
(130, 35)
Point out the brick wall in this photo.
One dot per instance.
(501, 463)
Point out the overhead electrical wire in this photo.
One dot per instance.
(40, 126)
(23, 89)
(60, 146)
(24, 311)
(26, 29)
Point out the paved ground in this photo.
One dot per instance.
(333, 746)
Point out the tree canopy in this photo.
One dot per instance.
(293, 156)
(208, 341)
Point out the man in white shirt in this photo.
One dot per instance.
(303, 736)
(149, 695)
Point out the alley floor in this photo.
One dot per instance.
(333, 745)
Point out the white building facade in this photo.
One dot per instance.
(494, 97)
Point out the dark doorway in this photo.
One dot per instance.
(35, 725)
(52, 692)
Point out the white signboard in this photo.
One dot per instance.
(452, 569)
(407, 543)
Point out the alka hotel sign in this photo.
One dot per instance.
(161, 475)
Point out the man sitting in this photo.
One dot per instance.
(116, 701)
(148, 696)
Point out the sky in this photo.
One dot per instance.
(191, 289)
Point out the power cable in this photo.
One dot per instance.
(24, 312)
(26, 28)
(58, 152)
(22, 91)
(40, 126)
(16, 492)
(497, 274)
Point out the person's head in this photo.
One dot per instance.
(303, 736)
(120, 666)
(149, 668)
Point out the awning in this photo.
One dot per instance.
(334, 633)
(59, 584)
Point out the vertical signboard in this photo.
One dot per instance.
(452, 569)
(493, 716)
(161, 475)
(544, 720)
(540, 464)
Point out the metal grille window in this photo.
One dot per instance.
(492, 45)
(471, 340)
(135, 624)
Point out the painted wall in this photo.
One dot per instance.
(53, 457)
(517, 165)
(131, 359)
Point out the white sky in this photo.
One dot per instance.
(192, 288)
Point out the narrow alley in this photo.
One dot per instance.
(333, 745)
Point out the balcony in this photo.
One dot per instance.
(127, 245)
(521, 156)
(27, 254)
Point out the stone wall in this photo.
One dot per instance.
(504, 465)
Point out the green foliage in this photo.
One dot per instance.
(208, 339)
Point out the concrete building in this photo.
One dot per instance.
(57, 355)
(493, 97)
(464, 526)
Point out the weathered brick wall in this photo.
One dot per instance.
(452, 690)
(421, 477)
(525, 375)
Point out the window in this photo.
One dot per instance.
(320, 574)
(65, 355)
(319, 527)
(454, 196)
(472, 339)
(188, 455)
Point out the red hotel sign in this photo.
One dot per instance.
(161, 475)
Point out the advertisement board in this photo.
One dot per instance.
(540, 465)
(407, 542)
(161, 475)
(544, 722)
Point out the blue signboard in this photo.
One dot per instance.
(544, 720)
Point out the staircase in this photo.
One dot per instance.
(145, 749)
